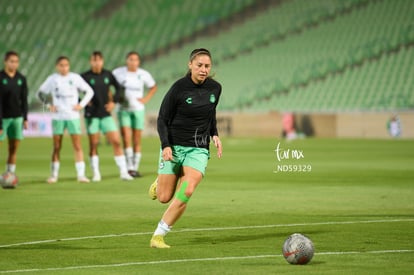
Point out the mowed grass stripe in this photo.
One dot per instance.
(199, 260)
(241, 209)
(206, 229)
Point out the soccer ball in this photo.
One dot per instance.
(298, 249)
(9, 180)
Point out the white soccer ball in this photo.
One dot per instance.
(298, 249)
(9, 180)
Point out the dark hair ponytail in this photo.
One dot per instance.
(197, 52)
(9, 54)
(60, 58)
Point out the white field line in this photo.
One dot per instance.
(196, 260)
(207, 229)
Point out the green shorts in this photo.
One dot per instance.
(73, 126)
(104, 124)
(13, 128)
(193, 157)
(132, 119)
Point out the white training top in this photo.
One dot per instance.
(133, 83)
(65, 90)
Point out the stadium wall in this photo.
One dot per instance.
(372, 125)
(341, 125)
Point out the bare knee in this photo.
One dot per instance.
(77, 148)
(116, 143)
(93, 149)
(166, 187)
(56, 148)
(190, 186)
(164, 198)
(114, 139)
(13, 144)
(189, 190)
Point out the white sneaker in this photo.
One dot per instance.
(126, 176)
(52, 180)
(83, 179)
(97, 177)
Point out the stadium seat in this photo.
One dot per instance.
(296, 55)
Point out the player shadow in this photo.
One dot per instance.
(231, 239)
(69, 179)
(51, 246)
(274, 236)
(271, 262)
(43, 180)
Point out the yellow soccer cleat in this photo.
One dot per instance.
(157, 241)
(152, 191)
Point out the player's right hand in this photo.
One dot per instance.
(167, 154)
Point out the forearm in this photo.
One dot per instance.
(85, 100)
(41, 96)
(1, 115)
(162, 128)
(150, 94)
(117, 97)
(213, 126)
(25, 106)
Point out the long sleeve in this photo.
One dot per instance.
(84, 87)
(118, 89)
(213, 129)
(166, 114)
(25, 105)
(1, 112)
(187, 115)
(44, 91)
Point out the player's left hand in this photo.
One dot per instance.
(218, 145)
(77, 107)
(25, 125)
(109, 106)
(143, 100)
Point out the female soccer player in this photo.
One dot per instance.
(98, 116)
(131, 114)
(186, 121)
(13, 106)
(64, 88)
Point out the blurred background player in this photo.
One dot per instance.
(394, 126)
(288, 124)
(64, 88)
(186, 121)
(131, 114)
(13, 106)
(98, 116)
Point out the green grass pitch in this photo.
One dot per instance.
(354, 198)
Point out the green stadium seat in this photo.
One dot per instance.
(288, 57)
